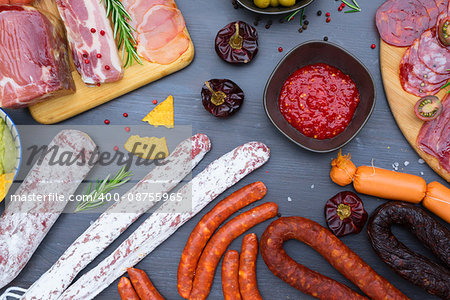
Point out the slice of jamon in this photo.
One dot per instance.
(413, 84)
(160, 25)
(138, 8)
(433, 54)
(401, 22)
(421, 70)
(432, 10)
(168, 53)
(434, 137)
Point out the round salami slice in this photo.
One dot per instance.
(433, 54)
(413, 84)
(421, 70)
(442, 5)
(432, 10)
(401, 22)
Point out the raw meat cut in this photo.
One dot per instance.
(34, 62)
(117, 218)
(160, 30)
(434, 136)
(25, 222)
(195, 195)
(91, 39)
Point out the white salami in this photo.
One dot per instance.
(205, 187)
(162, 179)
(24, 224)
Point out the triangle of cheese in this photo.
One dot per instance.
(161, 115)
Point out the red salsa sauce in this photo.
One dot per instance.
(319, 100)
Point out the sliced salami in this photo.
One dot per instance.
(442, 5)
(162, 179)
(432, 10)
(410, 82)
(433, 54)
(205, 187)
(401, 22)
(24, 224)
(422, 71)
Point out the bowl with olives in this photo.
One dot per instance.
(274, 7)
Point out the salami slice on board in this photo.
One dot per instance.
(433, 54)
(205, 187)
(162, 179)
(442, 5)
(432, 10)
(434, 136)
(401, 22)
(24, 224)
(421, 70)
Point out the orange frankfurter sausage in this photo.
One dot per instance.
(204, 274)
(143, 286)
(126, 290)
(206, 227)
(247, 268)
(230, 276)
(438, 200)
(389, 184)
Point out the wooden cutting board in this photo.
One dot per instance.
(86, 97)
(402, 103)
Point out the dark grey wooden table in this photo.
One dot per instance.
(292, 173)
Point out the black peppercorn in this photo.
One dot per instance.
(325, 38)
(306, 22)
(304, 17)
(305, 27)
(319, 13)
(300, 30)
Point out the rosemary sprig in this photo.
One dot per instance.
(97, 193)
(293, 14)
(123, 31)
(355, 6)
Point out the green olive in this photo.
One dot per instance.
(262, 3)
(287, 2)
(274, 3)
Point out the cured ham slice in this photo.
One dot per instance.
(27, 73)
(91, 39)
(434, 137)
(168, 53)
(160, 29)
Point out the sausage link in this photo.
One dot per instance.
(230, 276)
(437, 200)
(247, 268)
(333, 250)
(143, 286)
(204, 274)
(389, 184)
(126, 290)
(206, 227)
(434, 278)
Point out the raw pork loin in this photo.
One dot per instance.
(34, 63)
(91, 39)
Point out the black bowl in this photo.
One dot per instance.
(320, 52)
(248, 4)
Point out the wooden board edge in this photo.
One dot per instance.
(432, 161)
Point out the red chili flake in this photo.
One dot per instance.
(99, 55)
(373, 46)
(102, 32)
(107, 67)
(107, 122)
(327, 14)
(125, 115)
(85, 55)
(99, 84)
(127, 129)
(93, 30)
(154, 101)
(328, 20)
(116, 148)
(86, 61)
(280, 49)
(267, 171)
